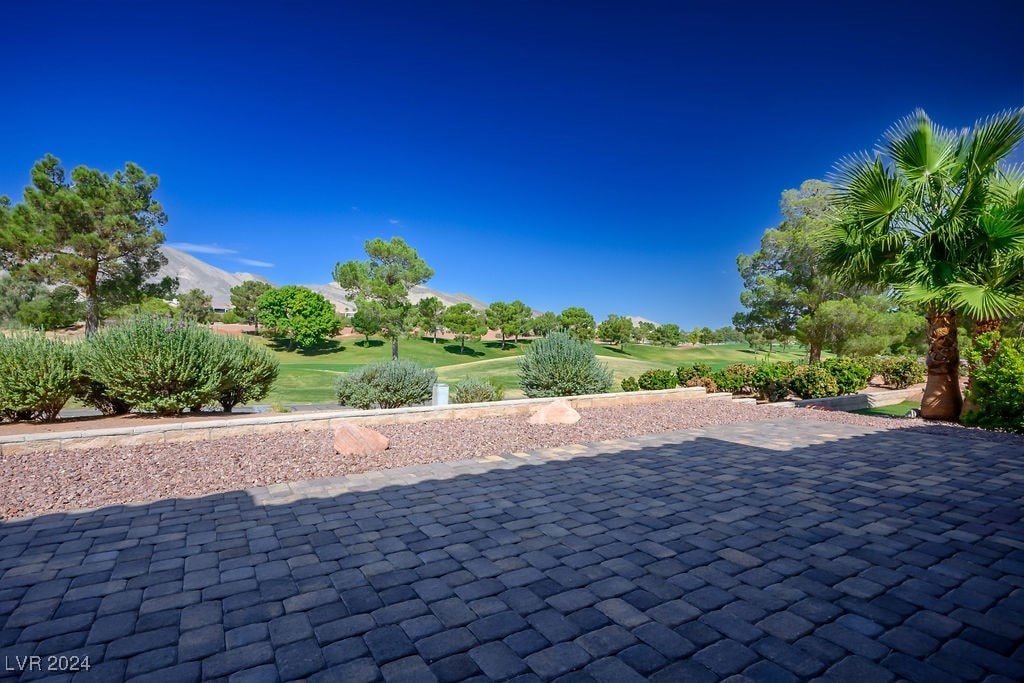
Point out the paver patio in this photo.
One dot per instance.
(776, 551)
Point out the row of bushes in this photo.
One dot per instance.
(557, 365)
(775, 381)
(154, 365)
(394, 384)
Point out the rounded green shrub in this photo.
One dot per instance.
(248, 372)
(850, 375)
(476, 390)
(630, 384)
(389, 384)
(230, 318)
(37, 377)
(708, 383)
(813, 381)
(771, 380)
(902, 371)
(156, 364)
(686, 372)
(737, 378)
(997, 388)
(561, 365)
(658, 379)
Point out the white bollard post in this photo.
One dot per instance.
(439, 395)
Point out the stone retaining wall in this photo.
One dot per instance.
(202, 430)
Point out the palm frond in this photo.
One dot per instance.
(993, 138)
(981, 302)
(922, 151)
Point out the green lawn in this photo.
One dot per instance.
(895, 410)
(308, 376)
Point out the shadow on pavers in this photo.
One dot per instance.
(895, 554)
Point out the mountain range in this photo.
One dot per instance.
(193, 273)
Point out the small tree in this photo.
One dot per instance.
(465, 322)
(509, 319)
(643, 331)
(244, 298)
(544, 324)
(430, 315)
(15, 292)
(616, 330)
(393, 267)
(50, 310)
(578, 322)
(667, 335)
(368, 318)
(301, 315)
(195, 305)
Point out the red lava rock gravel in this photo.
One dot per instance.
(58, 481)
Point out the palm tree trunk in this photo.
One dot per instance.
(981, 328)
(815, 353)
(942, 399)
(394, 347)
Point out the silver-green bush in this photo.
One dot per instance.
(390, 384)
(156, 364)
(476, 390)
(560, 365)
(247, 373)
(37, 377)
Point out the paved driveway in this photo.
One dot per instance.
(778, 551)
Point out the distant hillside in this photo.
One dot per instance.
(195, 274)
(334, 293)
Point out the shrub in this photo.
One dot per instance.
(737, 378)
(247, 373)
(813, 381)
(850, 375)
(771, 380)
(902, 371)
(97, 395)
(658, 379)
(686, 372)
(156, 364)
(475, 390)
(630, 384)
(997, 389)
(37, 377)
(560, 365)
(709, 384)
(390, 384)
(230, 318)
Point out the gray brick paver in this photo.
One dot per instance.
(779, 550)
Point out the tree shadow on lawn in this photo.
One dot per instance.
(510, 345)
(330, 347)
(369, 343)
(668, 495)
(458, 351)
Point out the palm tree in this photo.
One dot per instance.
(934, 218)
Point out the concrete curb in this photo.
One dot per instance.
(204, 430)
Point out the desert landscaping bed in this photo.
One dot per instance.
(59, 481)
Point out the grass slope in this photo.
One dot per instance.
(895, 410)
(308, 376)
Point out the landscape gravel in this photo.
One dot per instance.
(59, 481)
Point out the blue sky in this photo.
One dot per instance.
(616, 156)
